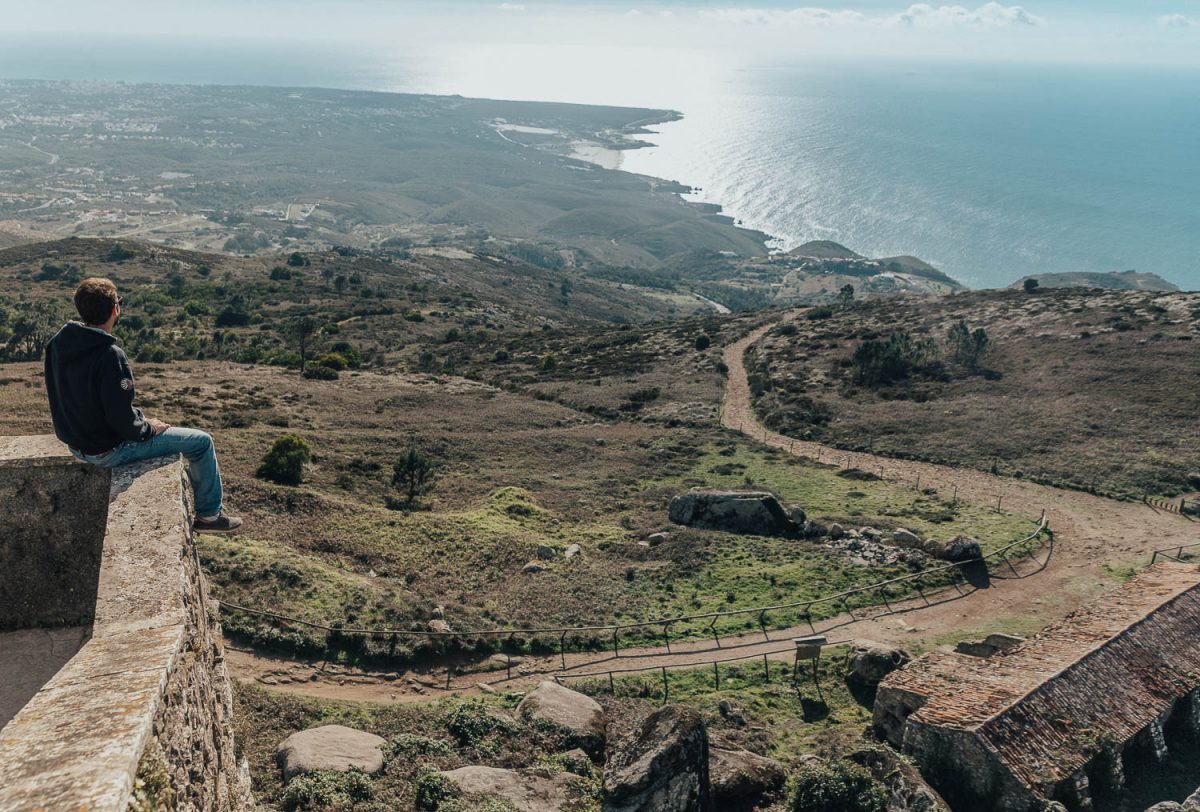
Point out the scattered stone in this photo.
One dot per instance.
(574, 551)
(740, 779)
(836, 531)
(439, 612)
(546, 552)
(755, 513)
(656, 539)
(644, 544)
(439, 626)
(869, 662)
(661, 766)
(870, 533)
(330, 747)
(1166, 806)
(527, 791)
(731, 713)
(485, 688)
(814, 530)
(532, 568)
(906, 538)
(798, 515)
(574, 713)
(990, 645)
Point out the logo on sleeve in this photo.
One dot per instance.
(127, 384)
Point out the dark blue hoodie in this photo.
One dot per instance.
(90, 386)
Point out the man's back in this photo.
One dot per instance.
(90, 388)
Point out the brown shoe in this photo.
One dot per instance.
(221, 524)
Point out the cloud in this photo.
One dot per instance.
(919, 15)
(511, 7)
(1175, 21)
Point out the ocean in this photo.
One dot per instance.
(988, 171)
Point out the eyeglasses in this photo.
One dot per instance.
(120, 300)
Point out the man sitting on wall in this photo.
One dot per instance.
(90, 386)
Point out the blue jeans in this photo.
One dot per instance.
(196, 446)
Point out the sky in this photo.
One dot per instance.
(1084, 31)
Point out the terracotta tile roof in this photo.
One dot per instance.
(1100, 675)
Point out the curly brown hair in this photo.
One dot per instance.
(95, 299)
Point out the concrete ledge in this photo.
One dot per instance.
(150, 679)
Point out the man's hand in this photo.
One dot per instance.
(158, 425)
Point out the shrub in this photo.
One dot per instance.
(320, 372)
(297, 260)
(837, 787)
(414, 475)
(968, 346)
(412, 744)
(819, 313)
(280, 274)
(471, 722)
(432, 789)
(284, 463)
(548, 362)
(333, 360)
(327, 788)
(500, 356)
(119, 253)
(703, 342)
(881, 361)
(1031, 285)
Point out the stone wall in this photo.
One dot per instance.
(147, 696)
(54, 517)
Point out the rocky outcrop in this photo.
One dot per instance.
(661, 766)
(526, 790)
(907, 790)
(959, 548)
(330, 747)
(741, 779)
(755, 513)
(869, 662)
(577, 715)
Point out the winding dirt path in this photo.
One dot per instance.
(1090, 534)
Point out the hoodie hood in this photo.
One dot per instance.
(76, 340)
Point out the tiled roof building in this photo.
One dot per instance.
(1053, 717)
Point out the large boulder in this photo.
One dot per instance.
(907, 790)
(330, 747)
(527, 791)
(577, 715)
(869, 662)
(740, 779)
(906, 538)
(755, 513)
(661, 765)
(959, 548)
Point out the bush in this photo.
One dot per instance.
(471, 723)
(297, 260)
(284, 463)
(837, 787)
(500, 356)
(819, 313)
(414, 475)
(320, 372)
(967, 345)
(333, 360)
(432, 789)
(882, 361)
(327, 788)
(703, 342)
(280, 274)
(1031, 285)
(548, 362)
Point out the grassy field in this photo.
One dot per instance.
(1077, 388)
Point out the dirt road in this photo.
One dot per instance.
(1092, 536)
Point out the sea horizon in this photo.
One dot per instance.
(1010, 170)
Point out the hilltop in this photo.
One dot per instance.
(1074, 387)
(1112, 280)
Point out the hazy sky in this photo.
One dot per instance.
(1130, 31)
